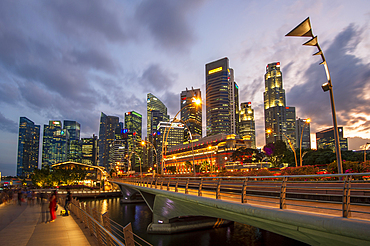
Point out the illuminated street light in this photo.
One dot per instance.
(197, 102)
(143, 143)
(304, 30)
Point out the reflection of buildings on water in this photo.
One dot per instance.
(216, 150)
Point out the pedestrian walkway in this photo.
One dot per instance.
(23, 226)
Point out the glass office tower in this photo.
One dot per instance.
(107, 130)
(153, 103)
(55, 144)
(291, 127)
(133, 123)
(90, 151)
(246, 124)
(74, 145)
(191, 114)
(28, 147)
(221, 98)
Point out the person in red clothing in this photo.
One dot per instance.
(52, 206)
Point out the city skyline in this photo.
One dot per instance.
(108, 59)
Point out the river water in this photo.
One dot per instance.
(235, 234)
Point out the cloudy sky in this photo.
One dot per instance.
(74, 59)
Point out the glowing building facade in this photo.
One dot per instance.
(28, 147)
(246, 124)
(107, 131)
(221, 98)
(54, 144)
(274, 104)
(191, 114)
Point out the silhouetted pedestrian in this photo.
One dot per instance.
(44, 207)
(20, 197)
(68, 201)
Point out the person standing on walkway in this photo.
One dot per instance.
(68, 201)
(52, 206)
(20, 197)
(44, 207)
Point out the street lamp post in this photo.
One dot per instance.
(129, 160)
(143, 142)
(300, 141)
(292, 148)
(196, 102)
(304, 30)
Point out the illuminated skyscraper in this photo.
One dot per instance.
(28, 147)
(304, 126)
(55, 144)
(90, 150)
(191, 114)
(291, 126)
(274, 104)
(74, 144)
(221, 98)
(133, 123)
(153, 103)
(246, 124)
(107, 131)
(325, 139)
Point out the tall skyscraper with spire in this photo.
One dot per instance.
(274, 104)
(221, 98)
(191, 114)
(28, 147)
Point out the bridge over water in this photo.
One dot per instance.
(315, 209)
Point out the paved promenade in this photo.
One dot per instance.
(25, 226)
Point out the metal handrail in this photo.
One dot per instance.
(276, 187)
(94, 225)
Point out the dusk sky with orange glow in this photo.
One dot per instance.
(71, 60)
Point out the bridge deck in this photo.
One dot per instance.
(335, 209)
(24, 226)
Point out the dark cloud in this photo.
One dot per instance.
(167, 21)
(154, 78)
(350, 76)
(172, 102)
(8, 125)
(92, 18)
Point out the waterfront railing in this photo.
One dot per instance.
(105, 230)
(344, 194)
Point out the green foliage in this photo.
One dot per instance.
(275, 151)
(246, 155)
(350, 167)
(304, 170)
(46, 178)
(320, 156)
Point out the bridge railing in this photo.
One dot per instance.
(343, 194)
(106, 231)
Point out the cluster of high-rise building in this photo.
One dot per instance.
(120, 145)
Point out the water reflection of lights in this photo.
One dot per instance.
(104, 206)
